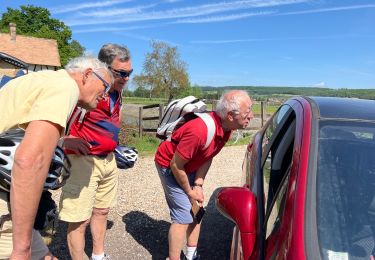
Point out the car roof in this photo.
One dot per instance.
(344, 108)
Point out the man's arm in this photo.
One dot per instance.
(202, 172)
(76, 144)
(31, 164)
(177, 166)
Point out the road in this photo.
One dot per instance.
(138, 226)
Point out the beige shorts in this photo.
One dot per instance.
(93, 183)
(38, 248)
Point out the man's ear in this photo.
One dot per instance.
(86, 73)
(230, 116)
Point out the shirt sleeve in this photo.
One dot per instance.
(54, 104)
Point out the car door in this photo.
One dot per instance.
(273, 166)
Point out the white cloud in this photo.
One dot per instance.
(77, 7)
(172, 1)
(342, 36)
(113, 29)
(117, 11)
(333, 9)
(321, 84)
(117, 15)
(222, 18)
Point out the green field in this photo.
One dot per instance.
(270, 109)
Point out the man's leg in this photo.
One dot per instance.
(105, 198)
(180, 207)
(76, 239)
(176, 239)
(98, 227)
(192, 236)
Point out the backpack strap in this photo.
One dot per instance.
(211, 127)
(81, 112)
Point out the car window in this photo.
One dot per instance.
(277, 145)
(273, 218)
(346, 190)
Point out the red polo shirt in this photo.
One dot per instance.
(189, 141)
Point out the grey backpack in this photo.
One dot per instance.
(180, 111)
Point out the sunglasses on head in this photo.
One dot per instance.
(122, 73)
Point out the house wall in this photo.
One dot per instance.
(36, 67)
(7, 69)
(10, 70)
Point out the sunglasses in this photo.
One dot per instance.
(121, 73)
(106, 85)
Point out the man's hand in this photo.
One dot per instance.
(78, 145)
(196, 194)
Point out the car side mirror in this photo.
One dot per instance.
(239, 205)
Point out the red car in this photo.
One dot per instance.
(309, 184)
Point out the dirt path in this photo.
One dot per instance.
(138, 225)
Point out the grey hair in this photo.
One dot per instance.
(230, 101)
(80, 64)
(111, 51)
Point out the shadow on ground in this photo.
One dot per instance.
(150, 233)
(59, 246)
(214, 241)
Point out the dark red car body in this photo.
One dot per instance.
(286, 209)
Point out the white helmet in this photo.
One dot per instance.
(59, 170)
(9, 141)
(125, 156)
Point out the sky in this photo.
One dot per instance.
(295, 43)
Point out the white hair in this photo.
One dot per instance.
(230, 101)
(80, 64)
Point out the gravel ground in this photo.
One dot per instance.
(138, 226)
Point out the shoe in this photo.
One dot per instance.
(182, 256)
(106, 257)
(195, 256)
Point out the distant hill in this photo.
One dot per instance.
(263, 93)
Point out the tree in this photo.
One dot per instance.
(194, 90)
(36, 21)
(163, 72)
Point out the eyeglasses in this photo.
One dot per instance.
(121, 73)
(107, 86)
(244, 115)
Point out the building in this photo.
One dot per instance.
(38, 53)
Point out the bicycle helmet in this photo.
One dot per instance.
(125, 156)
(59, 170)
(9, 141)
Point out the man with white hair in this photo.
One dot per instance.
(184, 161)
(40, 103)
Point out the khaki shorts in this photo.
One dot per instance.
(93, 183)
(38, 248)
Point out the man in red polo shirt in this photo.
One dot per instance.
(91, 189)
(183, 163)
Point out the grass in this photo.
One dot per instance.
(144, 101)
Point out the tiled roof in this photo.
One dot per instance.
(31, 50)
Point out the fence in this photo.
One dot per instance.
(255, 124)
